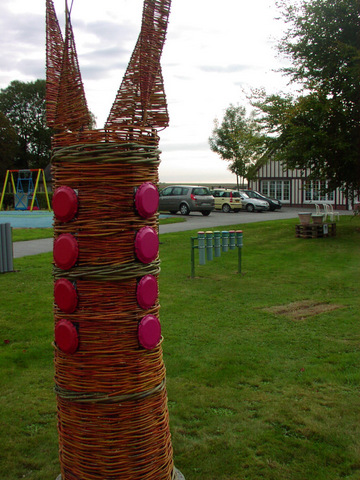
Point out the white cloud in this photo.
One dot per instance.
(213, 51)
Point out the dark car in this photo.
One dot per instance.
(186, 199)
(273, 203)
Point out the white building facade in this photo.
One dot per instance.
(293, 188)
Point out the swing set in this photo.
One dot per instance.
(24, 189)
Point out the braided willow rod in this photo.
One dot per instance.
(111, 272)
(106, 398)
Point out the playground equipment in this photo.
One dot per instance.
(24, 189)
(210, 244)
(113, 419)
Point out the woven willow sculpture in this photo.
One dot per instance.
(109, 372)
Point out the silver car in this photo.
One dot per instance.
(186, 199)
(253, 204)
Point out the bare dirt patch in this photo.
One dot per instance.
(303, 309)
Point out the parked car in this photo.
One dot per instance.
(226, 200)
(253, 204)
(186, 199)
(273, 203)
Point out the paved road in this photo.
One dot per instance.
(194, 221)
(32, 247)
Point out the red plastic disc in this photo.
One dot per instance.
(66, 336)
(65, 203)
(149, 332)
(147, 199)
(66, 251)
(147, 291)
(65, 295)
(146, 245)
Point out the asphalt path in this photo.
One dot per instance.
(194, 221)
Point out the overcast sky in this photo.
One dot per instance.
(214, 51)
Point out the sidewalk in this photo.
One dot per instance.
(32, 247)
(193, 222)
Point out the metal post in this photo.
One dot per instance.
(14, 188)
(209, 245)
(35, 190)
(46, 191)
(192, 257)
(6, 248)
(201, 247)
(4, 188)
(2, 248)
(225, 241)
(239, 243)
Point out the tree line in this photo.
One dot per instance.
(319, 128)
(25, 139)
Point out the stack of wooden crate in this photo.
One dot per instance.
(313, 230)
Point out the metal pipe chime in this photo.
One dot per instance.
(210, 244)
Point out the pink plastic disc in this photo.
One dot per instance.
(65, 203)
(147, 291)
(66, 251)
(149, 332)
(146, 245)
(147, 199)
(65, 295)
(66, 336)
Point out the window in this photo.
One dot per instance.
(314, 192)
(166, 192)
(251, 194)
(216, 193)
(176, 191)
(200, 191)
(279, 189)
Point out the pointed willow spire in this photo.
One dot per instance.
(141, 98)
(152, 38)
(66, 103)
(72, 112)
(54, 56)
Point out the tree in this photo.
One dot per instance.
(8, 146)
(323, 43)
(24, 106)
(237, 140)
(311, 132)
(320, 129)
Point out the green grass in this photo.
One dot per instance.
(167, 221)
(23, 234)
(252, 394)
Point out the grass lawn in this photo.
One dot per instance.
(23, 234)
(255, 391)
